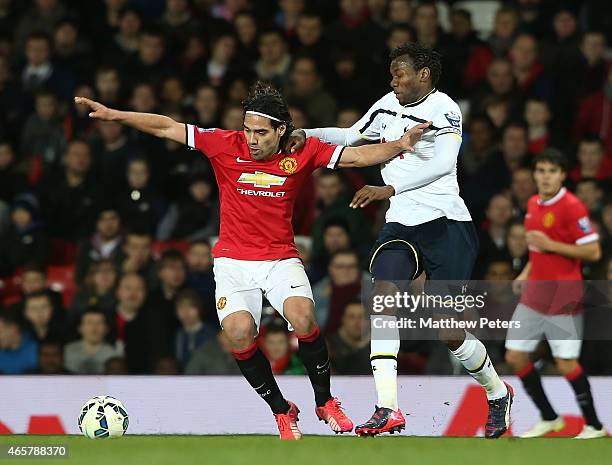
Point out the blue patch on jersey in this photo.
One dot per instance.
(585, 224)
(453, 118)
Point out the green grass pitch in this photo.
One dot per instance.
(315, 450)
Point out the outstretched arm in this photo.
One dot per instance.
(157, 125)
(368, 155)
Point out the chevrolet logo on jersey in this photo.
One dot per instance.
(259, 179)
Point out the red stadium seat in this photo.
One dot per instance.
(62, 252)
(61, 279)
(160, 246)
(10, 289)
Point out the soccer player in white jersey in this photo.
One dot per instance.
(427, 225)
(256, 253)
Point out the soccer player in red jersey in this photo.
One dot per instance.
(560, 236)
(256, 254)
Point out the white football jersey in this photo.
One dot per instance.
(387, 120)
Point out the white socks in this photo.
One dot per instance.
(384, 347)
(473, 356)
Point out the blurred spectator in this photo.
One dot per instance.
(288, 15)
(275, 346)
(50, 359)
(207, 106)
(104, 244)
(516, 243)
(137, 256)
(349, 347)
(43, 322)
(538, 117)
(470, 56)
(245, 26)
(222, 54)
(589, 190)
(334, 292)
(124, 45)
(400, 11)
(25, 240)
(561, 47)
(136, 330)
(70, 197)
(479, 146)
(275, 60)
(499, 84)
(233, 118)
(591, 161)
(97, 288)
(527, 69)
(172, 274)
(111, 152)
(71, 51)
(149, 64)
(194, 217)
(592, 48)
(427, 29)
(178, 23)
(143, 98)
(139, 204)
(108, 85)
(42, 16)
(606, 225)
(522, 189)
(77, 123)
(11, 100)
(305, 89)
(592, 119)
(499, 270)
(88, 355)
(333, 202)
(213, 358)
(193, 332)
(347, 117)
(34, 280)
(336, 237)
(42, 135)
(40, 72)
(18, 351)
(493, 234)
(505, 29)
(12, 181)
(174, 93)
(309, 38)
(116, 366)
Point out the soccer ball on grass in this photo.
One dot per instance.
(103, 417)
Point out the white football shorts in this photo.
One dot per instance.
(241, 284)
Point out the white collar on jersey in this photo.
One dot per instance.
(554, 199)
(421, 99)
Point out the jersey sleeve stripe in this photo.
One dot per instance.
(335, 158)
(588, 239)
(421, 120)
(190, 129)
(373, 117)
(366, 137)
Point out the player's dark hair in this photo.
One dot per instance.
(34, 268)
(339, 222)
(264, 98)
(39, 35)
(41, 293)
(552, 156)
(592, 139)
(420, 57)
(276, 327)
(94, 311)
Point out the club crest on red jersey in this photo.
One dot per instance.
(288, 165)
(548, 220)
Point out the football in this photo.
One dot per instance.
(103, 417)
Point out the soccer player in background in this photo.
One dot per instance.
(560, 236)
(427, 224)
(256, 253)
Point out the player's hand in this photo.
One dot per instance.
(296, 141)
(413, 135)
(99, 111)
(519, 285)
(538, 240)
(368, 194)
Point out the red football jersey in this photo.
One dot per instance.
(557, 280)
(257, 197)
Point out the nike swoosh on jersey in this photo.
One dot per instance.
(293, 287)
(240, 160)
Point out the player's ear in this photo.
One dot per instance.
(282, 129)
(425, 74)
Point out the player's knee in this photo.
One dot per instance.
(299, 311)
(565, 365)
(240, 329)
(517, 360)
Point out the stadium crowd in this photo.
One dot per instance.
(105, 233)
